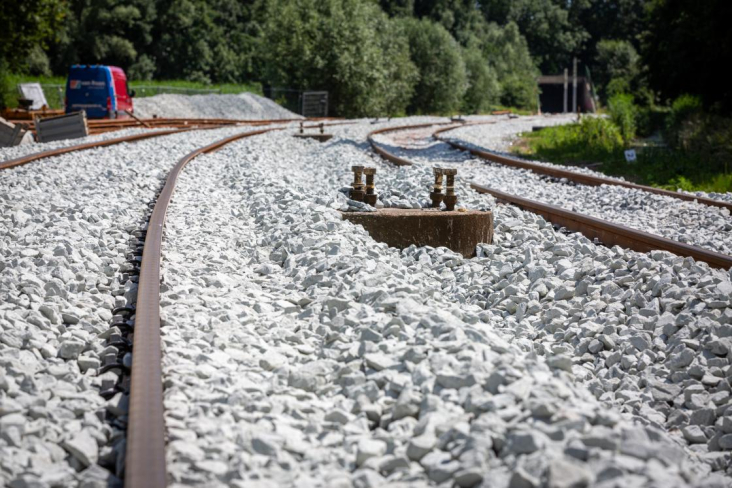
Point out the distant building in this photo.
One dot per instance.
(551, 98)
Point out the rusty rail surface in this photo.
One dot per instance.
(393, 157)
(98, 126)
(80, 147)
(609, 234)
(145, 455)
(580, 178)
(11, 163)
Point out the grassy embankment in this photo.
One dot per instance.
(682, 148)
(142, 88)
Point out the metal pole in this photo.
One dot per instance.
(574, 85)
(566, 82)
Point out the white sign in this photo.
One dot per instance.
(33, 91)
(630, 155)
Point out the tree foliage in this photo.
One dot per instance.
(25, 25)
(685, 47)
(442, 77)
(548, 25)
(343, 46)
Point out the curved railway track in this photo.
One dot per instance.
(100, 126)
(145, 458)
(608, 233)
(11, 163)
(557, 172)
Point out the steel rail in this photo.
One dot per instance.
(11, 163)
(580, 178)
(145, 455)
(90, 145)
(393, 158)
(97, 126)
(609, 233)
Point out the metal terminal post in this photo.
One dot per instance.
(370, 196)
(450, 197)
(322, 128)
(357, 192)
(436, 195)
(302, 128)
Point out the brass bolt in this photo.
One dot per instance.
(450, 197)
(357, 192)
(436, 195)
(370, 196)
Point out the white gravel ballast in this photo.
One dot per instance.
(244, 106)
(688, 222)
(299, 352)
(65, 226)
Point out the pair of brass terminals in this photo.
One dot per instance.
(449, 197)
(357, 193)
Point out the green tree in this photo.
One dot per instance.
(508, 55)
(442, 77)
(550, 27)
(617, 62)
(483, 88)
(25, 24)
(343, 46)
(685, 47)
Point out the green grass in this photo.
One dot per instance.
(600, 142)
(142, 88)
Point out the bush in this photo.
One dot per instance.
(684, 123)
(618, 66)
(38, 63)
(623, 114)
(6, 88)
(442, 77)
(343, 46)
(508, 55)
(483, 88)
(593, 139)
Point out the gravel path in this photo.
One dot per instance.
(8, 153)
(688, 222)
(298, 351)
(65, 224)
(244, 106)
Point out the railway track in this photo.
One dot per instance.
(11, 163)
(145, 458)
(109, 125)
(608, 233)
(557, 172)
(248, 392)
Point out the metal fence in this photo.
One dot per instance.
(306, 103)
(54, 95)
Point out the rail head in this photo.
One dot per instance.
(608, 232)
(145, 465)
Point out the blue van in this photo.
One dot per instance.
(101, 91)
